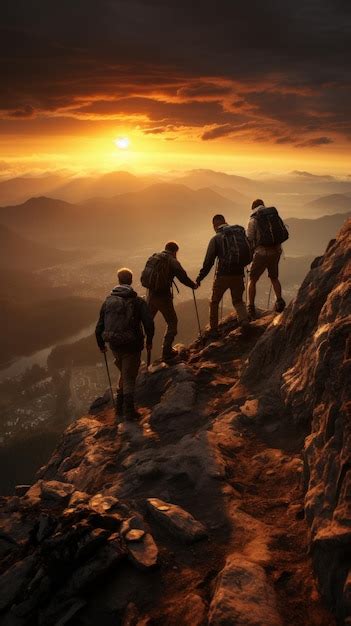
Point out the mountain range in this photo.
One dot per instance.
(291, 192)
(149, 217)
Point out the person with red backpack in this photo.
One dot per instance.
(157, 277)
(123, 317)
(266, 232)
(232, 249)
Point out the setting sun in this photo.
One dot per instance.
(122, 143)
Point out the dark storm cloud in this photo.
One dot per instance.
(285, 63)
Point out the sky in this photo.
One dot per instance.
(242, 86)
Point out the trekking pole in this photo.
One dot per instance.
(269, 297)
(148, 359)
(197, 316)
(109, 380)
(222, 308)
(246, 285)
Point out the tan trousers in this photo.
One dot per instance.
(128, 364)
(165, 305)
(220, 286)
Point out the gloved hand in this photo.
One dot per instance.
(104, 349)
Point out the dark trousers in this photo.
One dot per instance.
(164, 304)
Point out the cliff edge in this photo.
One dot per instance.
(220, 505)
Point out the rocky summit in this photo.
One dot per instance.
(227, 503)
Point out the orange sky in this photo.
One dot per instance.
(251, 88)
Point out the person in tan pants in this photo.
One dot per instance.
(229, 273)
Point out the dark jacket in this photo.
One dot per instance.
(143, 319)
(175, 271)
(214, 251)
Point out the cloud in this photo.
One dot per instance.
(24, 111)
(316, 141)
(204, 90)
(218, 131)
(280, 72)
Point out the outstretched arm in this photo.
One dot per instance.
(180, 273)
(209, 260)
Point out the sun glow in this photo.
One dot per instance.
(122, 143)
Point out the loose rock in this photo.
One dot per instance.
(144, 553)
(176, 520)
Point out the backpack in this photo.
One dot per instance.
(235, 248)
(120, 321)
(156, 274)
(271, 228)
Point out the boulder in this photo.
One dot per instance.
(55, 492)
(243, 596)
(178, 399)
(144, 552)
(176, 520)
(14, 580)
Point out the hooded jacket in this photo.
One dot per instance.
(143, 320)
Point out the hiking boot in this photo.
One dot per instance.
(130, 412)
(169, 355)
(280, 305)
(119, 404)
(244, 327)
(251, 311)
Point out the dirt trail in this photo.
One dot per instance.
(256, 509)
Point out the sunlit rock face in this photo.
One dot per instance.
(305, 355)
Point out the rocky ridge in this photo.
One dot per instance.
(215, 506)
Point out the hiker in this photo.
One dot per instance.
(158, 277)
(265, 232)
(122, 319)
(232, 250)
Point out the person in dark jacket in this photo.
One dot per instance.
(233, 280)
(264, 258)
(163, 300)
(123, 317)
